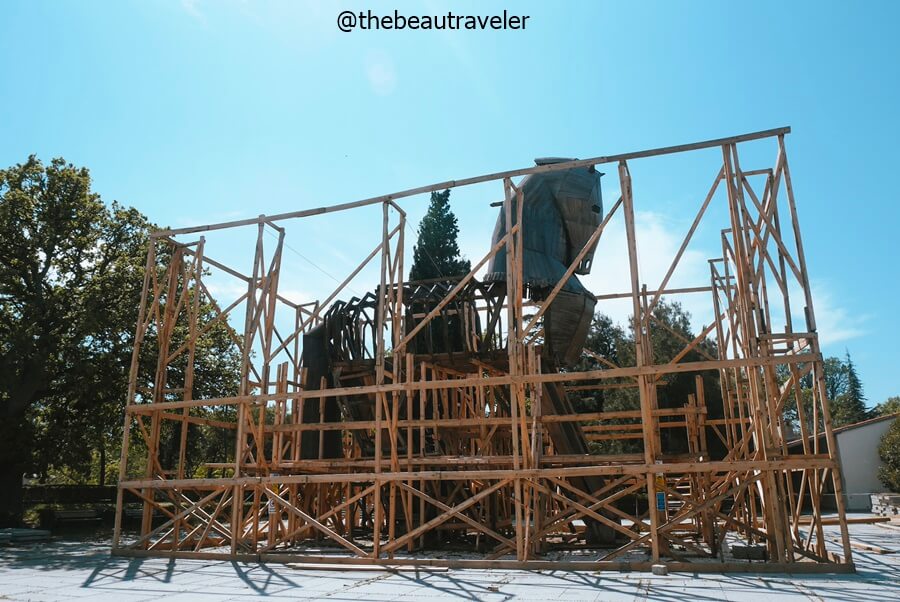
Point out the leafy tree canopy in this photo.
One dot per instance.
(891, 405)
(613, 345)
(889, 452)
(68, 264)
(71, 273)
(843, 388)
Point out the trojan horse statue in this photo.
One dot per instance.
(561, 210)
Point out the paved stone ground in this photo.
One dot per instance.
(66, 569)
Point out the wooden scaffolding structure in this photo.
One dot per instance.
(431, 450)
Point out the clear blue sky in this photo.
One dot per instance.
(200, 111)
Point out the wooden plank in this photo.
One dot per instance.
(861, 545)
(490, 381)
(549, 168)
(737, 466)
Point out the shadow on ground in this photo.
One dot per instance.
(64, 565)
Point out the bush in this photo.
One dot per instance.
(889, 452)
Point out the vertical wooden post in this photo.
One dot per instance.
(513, 272)
(250, 326)
(193, 318)
(164, 335)
(648, 420)
(818, 370)
(379, 379)
(139, 331)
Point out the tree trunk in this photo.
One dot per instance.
(102, 479)
(11, 500)
(15, 441)
(17, 438)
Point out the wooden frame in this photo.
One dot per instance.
(459, 447)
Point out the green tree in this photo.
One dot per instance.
(78, 423)
(889, 452)
(609, 341)
(78, 434)
(891, 405)
(843, 389)
(670, 330)
(64, 257)
(849, 406)
(436, 253)
(71, 272)
(836, 379)
(612, 343)
(216, 366)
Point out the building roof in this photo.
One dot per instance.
(855, 425)
(848, 427)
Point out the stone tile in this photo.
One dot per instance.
(67, 570)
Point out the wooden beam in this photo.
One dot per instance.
(514, 173)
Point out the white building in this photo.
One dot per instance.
(858, 449)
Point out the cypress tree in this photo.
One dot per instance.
(850, 406)
(436, 253)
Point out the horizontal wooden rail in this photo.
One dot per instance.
(489, 381)
(500, 175)
(799, 463)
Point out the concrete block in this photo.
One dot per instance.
(749, 552)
